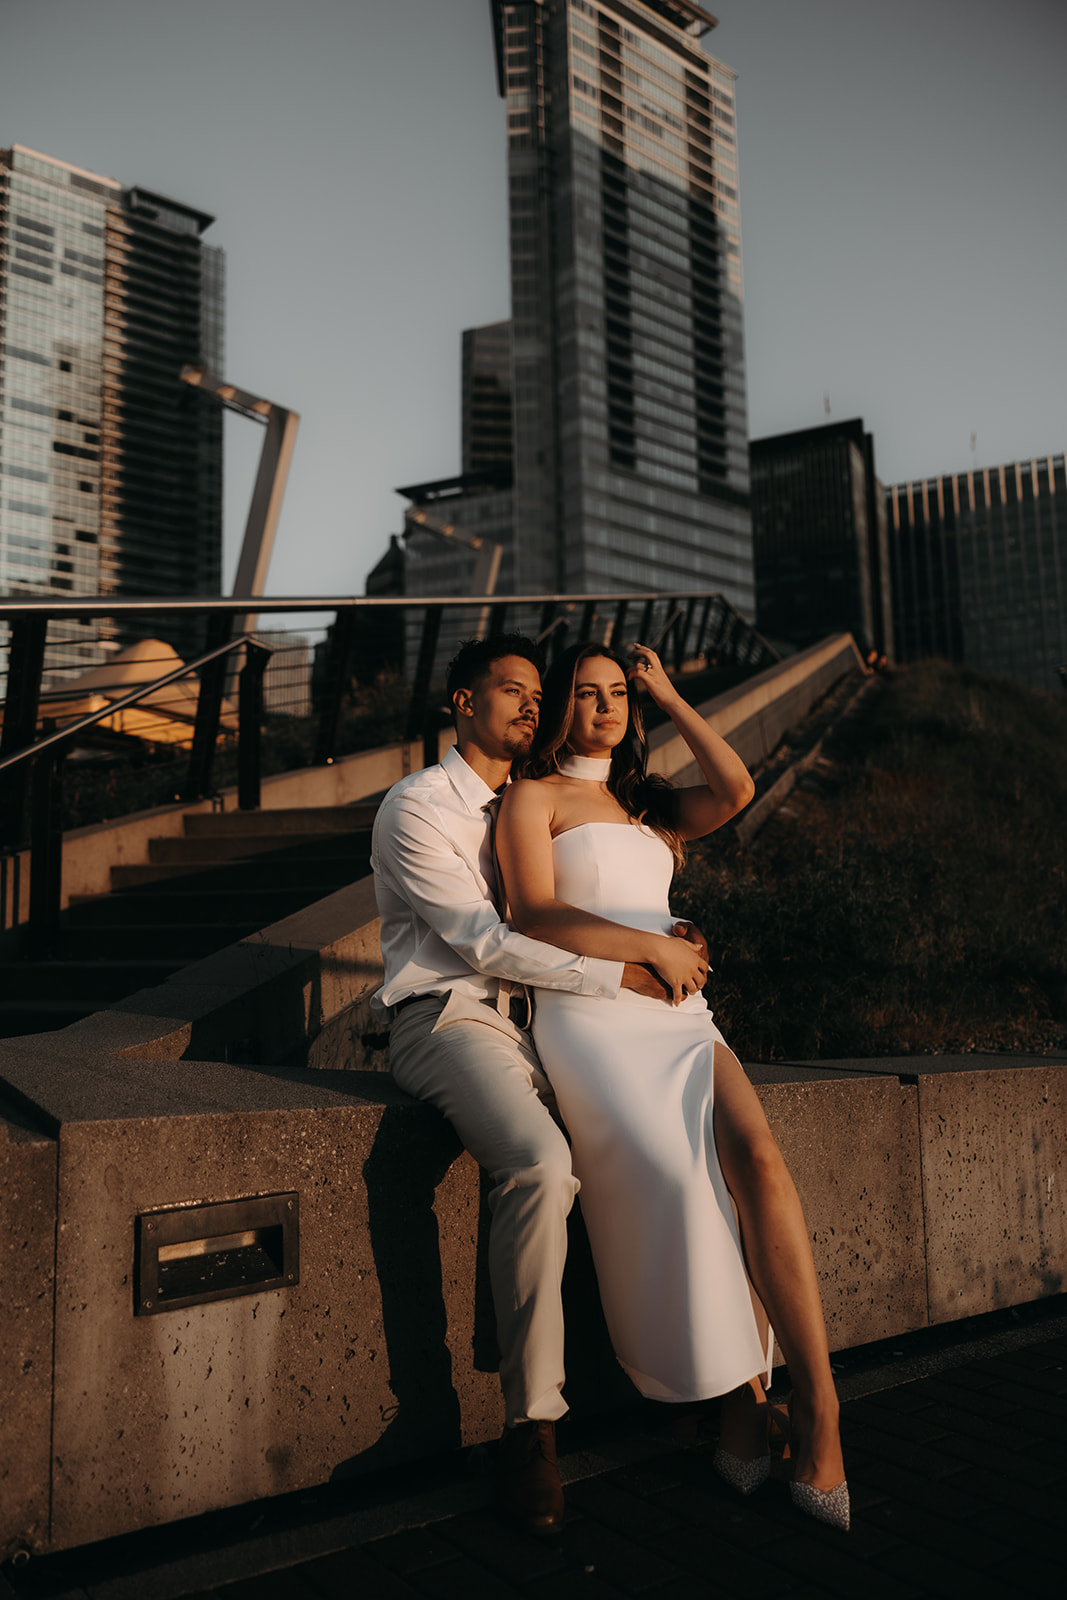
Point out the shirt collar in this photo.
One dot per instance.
(471, 789)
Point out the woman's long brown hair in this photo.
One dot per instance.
(643, 795)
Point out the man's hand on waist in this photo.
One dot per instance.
(689, 930)
(642, 980)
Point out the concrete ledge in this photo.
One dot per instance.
(852, 1145)
(296, 991)
(755, 716)
(384, 1350)
(28, 1167)
(994, 1160)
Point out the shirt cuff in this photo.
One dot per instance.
(602, 978)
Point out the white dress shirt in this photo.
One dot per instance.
(434, 879)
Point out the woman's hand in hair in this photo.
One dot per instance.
(648, 672)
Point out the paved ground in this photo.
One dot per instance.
(955, 1464)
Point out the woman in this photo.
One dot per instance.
(665, 1126)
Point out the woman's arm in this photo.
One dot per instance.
(728, 788)
(524, 853)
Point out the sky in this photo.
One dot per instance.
(903, 221)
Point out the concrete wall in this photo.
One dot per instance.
(931, 1190)
(28, 1166)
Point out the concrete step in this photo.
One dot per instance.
(317, 877)
(18, 1017)
(83, 982)
(176, 943)
(168, 904)
(301, 819)
(208, 847)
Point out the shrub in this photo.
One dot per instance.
(914, 903)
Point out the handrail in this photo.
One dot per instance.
(114, 605)
(46, 828)
(74, 728)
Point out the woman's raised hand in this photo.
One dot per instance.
(648, 672)
(681, 966)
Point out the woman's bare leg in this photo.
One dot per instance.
(743, 1421)
(777, 1250)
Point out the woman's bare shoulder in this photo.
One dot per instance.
(526, 794)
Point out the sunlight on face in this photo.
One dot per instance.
(601, 707)
(505, 705)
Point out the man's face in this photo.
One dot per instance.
(499, 714)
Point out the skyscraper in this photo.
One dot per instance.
(110, 467)
(819, 524)
(631, 460)
(979, 565)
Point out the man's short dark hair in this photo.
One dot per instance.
(474, 658)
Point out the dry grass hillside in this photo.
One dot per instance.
(910, 897)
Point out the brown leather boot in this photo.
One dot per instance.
(528, 1490)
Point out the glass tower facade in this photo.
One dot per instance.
(631, 460)
(110, 466)
(979, 569)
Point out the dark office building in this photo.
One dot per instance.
(979, 569)
(486, 401)
(110, 466)
(819, 527)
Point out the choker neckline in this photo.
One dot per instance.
(590, 767)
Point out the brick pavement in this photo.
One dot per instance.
(957, 1481)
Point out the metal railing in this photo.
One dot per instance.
(40, 766)
(420, 635)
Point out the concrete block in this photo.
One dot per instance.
(27, 1257)
(852, 1146)
(994, 1154)
(371, 1359)
(264, 999)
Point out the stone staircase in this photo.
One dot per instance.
(227, 876)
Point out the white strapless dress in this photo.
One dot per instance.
(634, 1080)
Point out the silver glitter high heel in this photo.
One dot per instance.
(825, 1505)
(744, 1476)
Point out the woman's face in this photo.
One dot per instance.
(601, 707)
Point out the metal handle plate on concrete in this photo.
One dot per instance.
(196, 1254)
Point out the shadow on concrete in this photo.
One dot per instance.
(408, 1161)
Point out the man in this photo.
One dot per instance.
(454, 989)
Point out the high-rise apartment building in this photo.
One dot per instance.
(819, 526)
(631, 458)
(979, 569)
(110, 466)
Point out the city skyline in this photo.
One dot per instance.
(901, 219)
